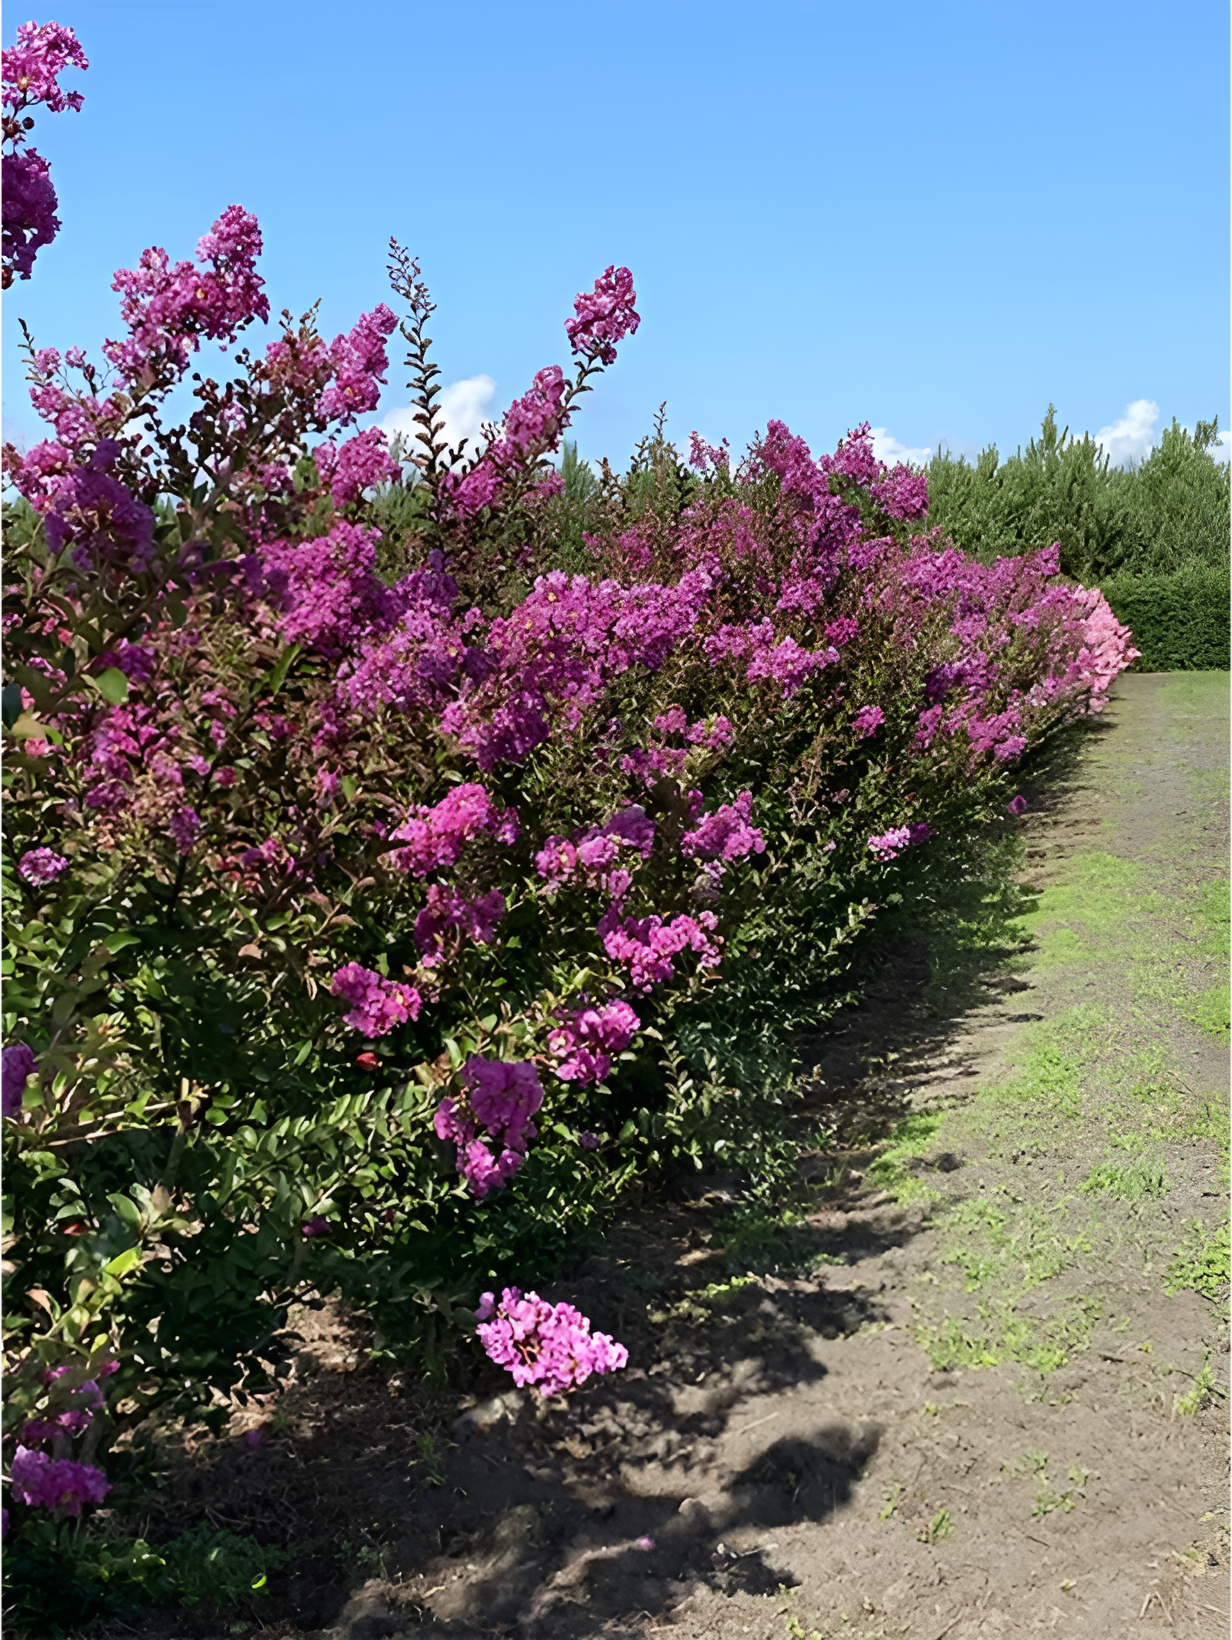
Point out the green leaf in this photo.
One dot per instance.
(121, 938)
(278, 676)
(123, 1263)
(112, 685)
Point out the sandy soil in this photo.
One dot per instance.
(944, 1392)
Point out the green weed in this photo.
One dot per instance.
(1042, 1343)
(912, 1138)
(938, 1528)
(1209, 1010)
(1130, 1182)
(1199, 1392)
(1202, 1262)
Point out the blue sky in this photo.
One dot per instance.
(934, 218)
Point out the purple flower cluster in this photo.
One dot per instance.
(31, 70)
(447, 910)
(92, 512)
(432, 839)
(361, 462)
(29, 211)
(548, 1346)
(594, 851)
(17, 1066)
(41, 865)
(867, 721)
(726, 834)
(890, 844)
(647, 945)
(604, 316)
(167, 307)
(501, 1097)
(377, 1004)
(59, 1484)
(587, 1039)
(359, 363)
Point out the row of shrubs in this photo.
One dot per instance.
(406, 851)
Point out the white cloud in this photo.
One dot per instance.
(890, 451)
(464, 407)
(1131, 438)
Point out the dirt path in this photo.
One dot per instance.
(964, 1386)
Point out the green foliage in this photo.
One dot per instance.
(1157, 518)
(1202, 1263)
(1179, 618)
(59, 1577)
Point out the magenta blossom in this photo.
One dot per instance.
(57, 1484)
(433, 839)
(726, 834)
(548, 1346)
(890, 844)
(41, 865)
(377, 1004)
(1017, 805)
(502, 1097)
(647, 945)
(587, 1039)
(19, 1065)
(868, 720)
(362, 462)
(605, 316)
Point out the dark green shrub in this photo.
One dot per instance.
(1179, 620)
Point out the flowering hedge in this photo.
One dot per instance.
(371, 834)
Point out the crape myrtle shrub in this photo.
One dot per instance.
(1156, 517)
(368, 862)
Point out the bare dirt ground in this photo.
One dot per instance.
(944, 1390)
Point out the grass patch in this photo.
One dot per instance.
(1209, 1010)
(1213, 919)
(1202, 1262)
(913, 1138)
(1129, 1181)
(1048, 1081)
(989, 1244)
(1000, 1334)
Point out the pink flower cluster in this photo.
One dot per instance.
(647, 945)
(587, 1039)
(377, 1004)
(501, 1097)
(594, 851)
(326, 590)
(548, 1346)
(447, 910)
(604, 316)
(432, 839)
(726, 834)
(41, 865)
(31, 70)
(890, 844)
(167, 306)
(17, 1066)
(59, 1484)
(867, 721)
(359, 364)
(33, 64)
(362, 462)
